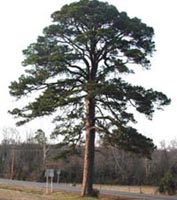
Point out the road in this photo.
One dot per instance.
(76, 188)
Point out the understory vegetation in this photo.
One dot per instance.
(28, 161)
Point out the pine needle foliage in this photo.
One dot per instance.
(78, 67)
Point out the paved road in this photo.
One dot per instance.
(68, 187)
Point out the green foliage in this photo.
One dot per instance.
(40, 137)
(130, 140)
(76, 58)
(168, 184)
(66, 152)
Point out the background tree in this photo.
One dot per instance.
(41, 139)
(10, 136)
(78, 67)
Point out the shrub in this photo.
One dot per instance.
(168, 184)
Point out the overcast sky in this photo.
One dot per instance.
(23, 20)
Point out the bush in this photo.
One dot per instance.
(168, 184)
(95, 193)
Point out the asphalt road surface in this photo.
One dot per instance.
(69, 187)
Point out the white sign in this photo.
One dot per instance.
(49, 173)
(58, 172)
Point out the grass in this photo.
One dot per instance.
(16, 192)
(134, 189)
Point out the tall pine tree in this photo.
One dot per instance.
(78, 67)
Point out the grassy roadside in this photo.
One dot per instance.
(16, 192)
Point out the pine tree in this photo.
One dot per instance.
(78, 67)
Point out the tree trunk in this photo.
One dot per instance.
(12, 164)
(87, 183)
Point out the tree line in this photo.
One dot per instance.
(28, 161)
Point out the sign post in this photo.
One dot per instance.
(47, 185)
(51, 185)
(49, 173)
(58, 175)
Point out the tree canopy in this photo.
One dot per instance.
(78, 67)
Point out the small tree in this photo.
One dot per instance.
(78, 67)
(168, 184)
(42, 140)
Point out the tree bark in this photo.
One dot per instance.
(88, 170)
(12, 164)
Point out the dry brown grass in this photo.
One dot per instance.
(18, 192)
(135, 189)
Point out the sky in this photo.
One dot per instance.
(22, 21)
